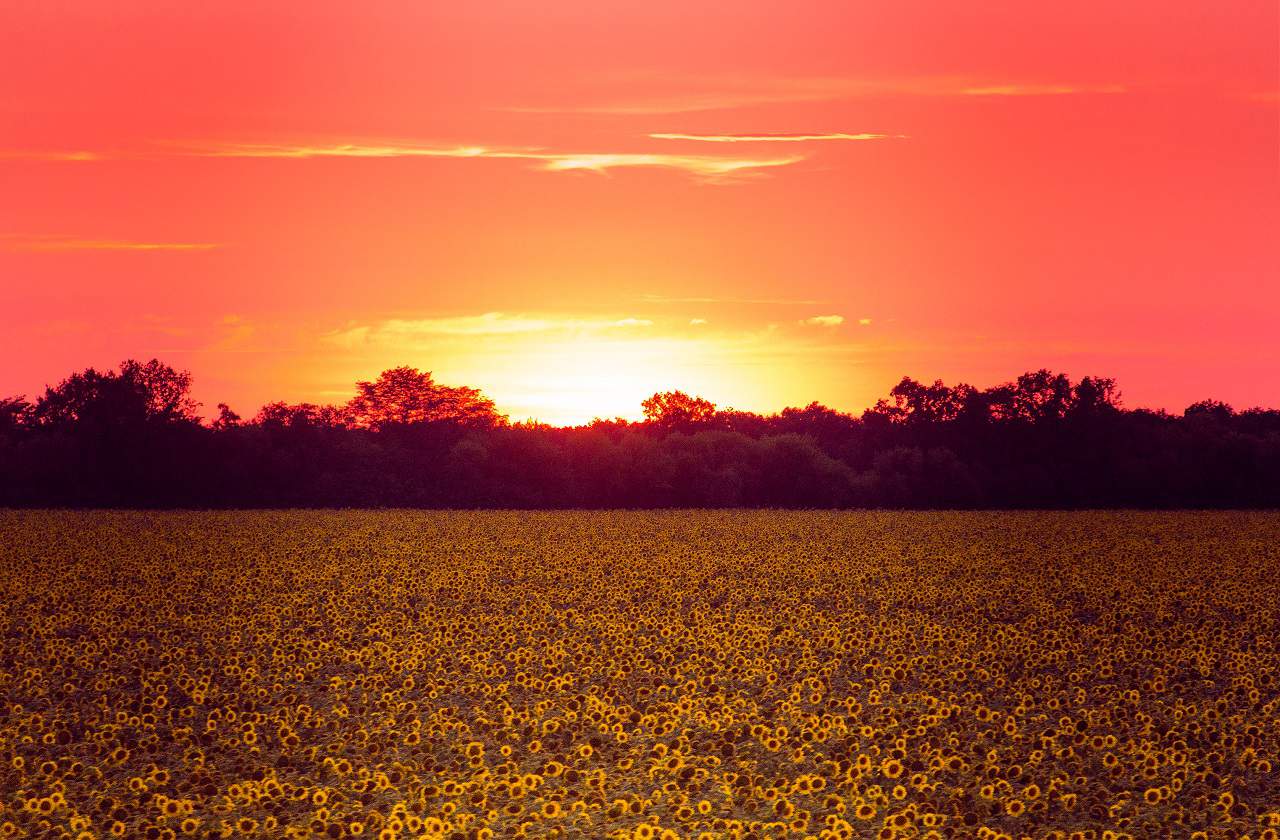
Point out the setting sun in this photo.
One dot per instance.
(569, 381)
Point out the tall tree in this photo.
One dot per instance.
(14, 414)
(677, 411)
(404, 396)
(139, 392)
(915, 402)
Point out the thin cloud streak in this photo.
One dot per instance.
(824, 321)
(1040, 90)
(711, 168)
(20, 154)
(719, 94)
(16, 242)
(486, 324)
(771, 138)
(707, 166)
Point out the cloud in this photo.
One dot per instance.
(697, 322)
(1038, 90)
(824, 321)
(707, 166)
(351, 150)
(770, 138)
(18, 242)
(680, 103)
(693, 94)
(865, 322)
(703, 165)
(486, 324)
(714, 168)
(19, 154)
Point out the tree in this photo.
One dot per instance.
(677, 411)
(405, 396)
(1041, 395)
(1093, 395)
(15, 417)
(138, 393)
(167, 391)
(1209, 410)
(226, 419)
(281, 415)
(915, 402)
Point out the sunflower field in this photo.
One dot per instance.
(683, 674)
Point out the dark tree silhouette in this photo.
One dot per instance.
(914, 402)
(14, 413)
(405, 396)
(1040, 396)
(677, 411)
(226, 419)
(138, 392)
(130, 437)
(279, 415)
(1095, 395)
(1209, 410)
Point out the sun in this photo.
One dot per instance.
(575, 379)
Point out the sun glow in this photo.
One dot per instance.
(574, 379)
(568, 369)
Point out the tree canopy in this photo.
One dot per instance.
(132, 437)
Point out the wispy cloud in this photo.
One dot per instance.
(703, 165)
(771, 138)
(684, 103)
(715, 93)
(711, 168)
(54, 155)
(20, 242)
(349, 150)
(824, 321)
(1038, 90)
(486, 324)
(706, 166)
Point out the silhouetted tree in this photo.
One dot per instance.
(677, 411)
(405, 396)
(226, 419)
(130, 437)
(915, 402)
(1209, 410)
(139, 392)
(1040, 396)
(14, 416)
(1094, 395)
(280, 415)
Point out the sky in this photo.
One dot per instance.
(572, 205)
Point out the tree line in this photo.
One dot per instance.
(132, 437)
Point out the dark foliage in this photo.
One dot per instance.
(132, 438)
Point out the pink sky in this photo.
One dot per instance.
(286, 200)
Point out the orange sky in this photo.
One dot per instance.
(572, 204)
